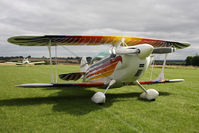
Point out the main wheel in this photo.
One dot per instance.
(98, 98)
(151, 95)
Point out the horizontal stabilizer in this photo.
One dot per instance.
(84, 84)
(71, 76)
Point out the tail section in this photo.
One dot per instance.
(76, 75)
(71, 76)
(83, 64)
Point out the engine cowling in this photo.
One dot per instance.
(144, 50)
(126, 50)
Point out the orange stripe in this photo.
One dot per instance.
(111, 61)
(102, 75)
(111, 67)
(104, 70)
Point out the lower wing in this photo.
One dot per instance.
(158, 81)
(94, 84)
(84, 84)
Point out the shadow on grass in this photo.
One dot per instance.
(75, 101)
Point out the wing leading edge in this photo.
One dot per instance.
(90, 40)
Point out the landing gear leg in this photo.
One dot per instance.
(99, 97)
(150, 94)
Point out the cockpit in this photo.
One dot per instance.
(100, 56)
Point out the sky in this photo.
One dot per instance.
(173, 20)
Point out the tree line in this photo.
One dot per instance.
(192, 60)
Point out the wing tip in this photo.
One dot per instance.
(187, 44)
(184, 45)
(35, 85)
(176, 80)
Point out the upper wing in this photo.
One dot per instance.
(90, 40)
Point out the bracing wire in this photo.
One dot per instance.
(153, 62)
(56, 62)
(49, 50)
(70, 51)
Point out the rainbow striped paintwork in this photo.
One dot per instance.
(90, 40)
(102, 69)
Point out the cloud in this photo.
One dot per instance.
(170, 20)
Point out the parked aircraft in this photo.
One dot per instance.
(128, 60)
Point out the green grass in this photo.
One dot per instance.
(71, 110)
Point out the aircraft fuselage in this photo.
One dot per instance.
(122, 68)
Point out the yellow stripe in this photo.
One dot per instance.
(102, 75)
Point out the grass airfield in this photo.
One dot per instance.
(71, 110)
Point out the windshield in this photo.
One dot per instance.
(100, 56)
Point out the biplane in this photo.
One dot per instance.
(128, 60)
(25, 61)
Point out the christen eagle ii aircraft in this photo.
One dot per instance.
(128, 60)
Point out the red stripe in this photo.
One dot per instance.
(105, 69)
(117, 59)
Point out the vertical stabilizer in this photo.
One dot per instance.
(83, 64)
